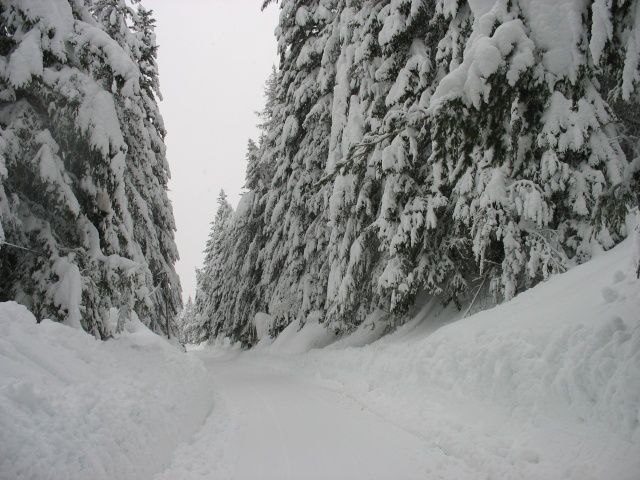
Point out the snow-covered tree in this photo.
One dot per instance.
(249, 233)
(525, 142)
(246, 237)
(86, 222)
(614, 49)
(295, 265)
(185, 321)
(357, 110)
(238, 294)
(213, 279)
(380, 161)
(441, 146)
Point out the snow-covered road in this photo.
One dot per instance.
(269, 425)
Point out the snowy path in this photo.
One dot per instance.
(267, 425)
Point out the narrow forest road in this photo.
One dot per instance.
(269, 425)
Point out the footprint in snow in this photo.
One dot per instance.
(609, 294)
(619, 276)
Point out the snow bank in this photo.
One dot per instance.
(545, 386)
(72, 407)
(294, 339)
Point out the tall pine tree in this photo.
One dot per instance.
(213, 280)
(86, 223)
(295, 263)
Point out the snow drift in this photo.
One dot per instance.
(544, 386)
(72, 407)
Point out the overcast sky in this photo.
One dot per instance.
(214, 58)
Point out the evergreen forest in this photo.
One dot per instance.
(409, 149)
(425, 149)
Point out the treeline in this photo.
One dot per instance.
(426, 146)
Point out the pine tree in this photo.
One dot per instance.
(355, 187)
(147, 170)
(249, 230)
(185, 322)
(613, 45)
(247, 235)
(230, 301)
(380, 168)
(295, 264)
(213, 279)
(525, 144)
(86, 222)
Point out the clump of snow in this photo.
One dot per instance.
(486, 53)
(54, 17)
(67, 291)
(72, 407)
(262, 323)
(27, 60)
(370, 330)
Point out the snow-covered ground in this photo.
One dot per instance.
(546, 386)
(270, 425)
(72, 407)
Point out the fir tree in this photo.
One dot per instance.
(239, 295)
(147, 170)
(355, 187)
(86, 223)
(213, 279)
(524, 146)
(247, 235)
(295, 266)
(186, 321)
(249, 229)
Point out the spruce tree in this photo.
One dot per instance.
(247, 235)
(186, 320)
(234, 299)
(147, 168)
(86, 222)
(379, 170)
(355, 185)
(524, 146)
(213, 280)
(295, 267)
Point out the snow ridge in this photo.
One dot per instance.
(73, 407)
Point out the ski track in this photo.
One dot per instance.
(267, 425)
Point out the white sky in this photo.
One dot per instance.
(214, 58)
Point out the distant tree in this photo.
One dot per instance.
(186, 320)
(246, 235)
(213, 279)
(236, 298)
